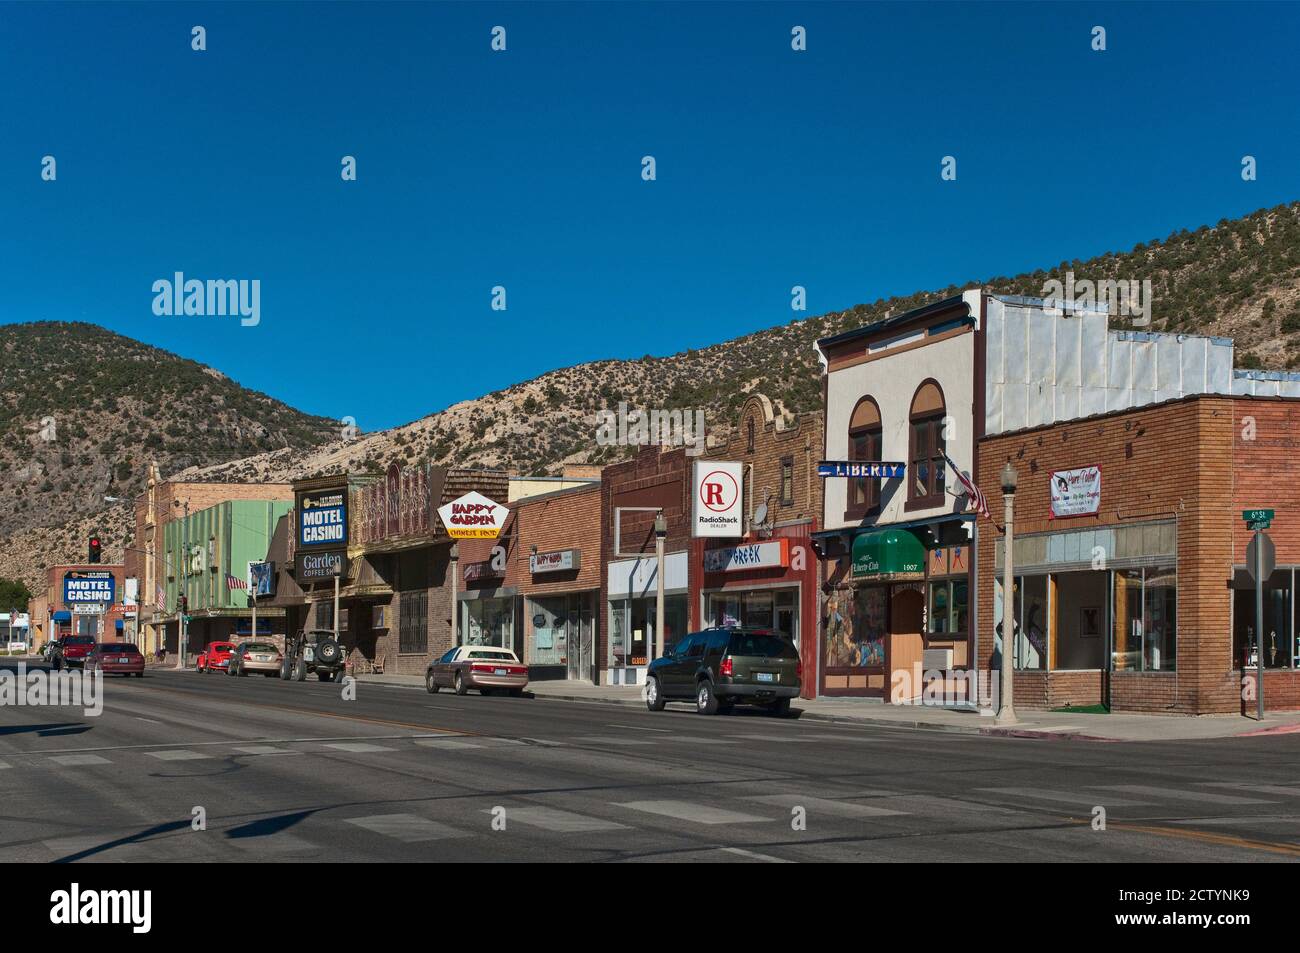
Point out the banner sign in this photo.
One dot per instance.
(320, 565)
(323, 518)
(261, 578)
(564, 560)
(718, 509)
(475, 572)
(871, 469)
(88, 585)
(773, 554)
(473, 516)
(1075, 492)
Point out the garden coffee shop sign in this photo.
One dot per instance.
(1075, 492)
(473, 516)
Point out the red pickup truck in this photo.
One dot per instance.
(73, 651)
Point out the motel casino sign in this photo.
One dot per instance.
(320, 533)
(88, 586)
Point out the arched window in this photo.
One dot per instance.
(926, 447)
(749, 435)
(865, 441)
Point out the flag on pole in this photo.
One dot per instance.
(160, 599)
(234, 582)
(974, 497)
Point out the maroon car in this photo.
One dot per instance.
(72, 652)
(116, 658)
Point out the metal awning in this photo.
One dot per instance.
(887, 552)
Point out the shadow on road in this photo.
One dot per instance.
(122, 841)
(46, 731)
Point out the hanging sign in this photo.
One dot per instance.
(1075, 492)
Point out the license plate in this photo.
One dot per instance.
(124, 660)
(764, 677)
(500, 671)
(264, 658)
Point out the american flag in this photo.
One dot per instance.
(974, 496)
(160, 599)
(234, 582)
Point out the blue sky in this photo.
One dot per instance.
(522, 169)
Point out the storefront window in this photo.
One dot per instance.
(855, 627)
(949, 607)
(547, 630)
(1145, 620)
(488, 622)
(775, 609)
(1080, 601)
(632, 623)
(1279, 643)
(1030, 604)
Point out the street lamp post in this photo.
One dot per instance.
(455, 564)
(1006, 710)
(338, 571)
(661, 531)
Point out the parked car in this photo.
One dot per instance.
(481, 667)
(72, 652)
(314, 650)
(215, 657)
(115, 658)
(261, 657)
(719, 668)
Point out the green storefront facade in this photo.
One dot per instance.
(206, 552)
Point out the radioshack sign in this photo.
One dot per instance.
(473, 516)
(718, 509)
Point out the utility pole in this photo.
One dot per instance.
(661, 531)
(182, 632)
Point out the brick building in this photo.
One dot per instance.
(163, 501)
(1134, 593)
(80, 599)
(770, 577)
(632, 493)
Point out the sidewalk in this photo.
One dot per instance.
(1033, 724)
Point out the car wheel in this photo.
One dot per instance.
(300, 671)
(706, 703)
(781, 708)
(430, 684)
(654, 697)
(460, 685)
(286, 671)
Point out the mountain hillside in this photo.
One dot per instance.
(1239, 278)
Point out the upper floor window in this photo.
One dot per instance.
(926, 447)
(787, 481)
(749, 435)
(865, 443)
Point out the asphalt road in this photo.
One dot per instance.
(287, 771)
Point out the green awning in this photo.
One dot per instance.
(887, 551)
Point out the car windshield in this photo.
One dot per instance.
(753, 644)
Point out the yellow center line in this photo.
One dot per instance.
(1206, 837)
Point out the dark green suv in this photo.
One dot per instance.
(718, 668)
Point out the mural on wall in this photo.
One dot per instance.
(855, 628)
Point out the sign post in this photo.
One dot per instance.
(1261, 559)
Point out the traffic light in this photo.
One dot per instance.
(96, 548)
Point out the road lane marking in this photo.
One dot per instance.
(448, 743)
(406, 827)
(263, 749)
(612, 740)
(778, 738)
(1068, 797)
(563, 822)
(152, 721)
(697, 740)
(1207, 837)
(821, 805)
(639, 728)
(74, 760)
(696, 813)
(178, 755)
(1178, 794)
(359, 747)
(1279, 789)
(753, 855)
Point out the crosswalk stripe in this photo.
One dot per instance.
(779, 738)
(1178, 794)
(697, 813)
(1067, 797)
(448, 744)
(178, 755)
(356, 746)
(552, 819)
(75, 760)
(754, 855)
(406, 827)
(821, 805)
